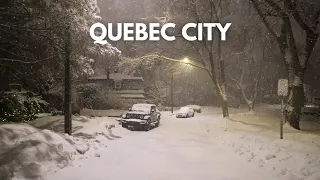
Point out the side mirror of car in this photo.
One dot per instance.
(152, 110)
(130, 109)
(124, 116)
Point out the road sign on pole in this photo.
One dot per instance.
(283, 87)
(282, 91)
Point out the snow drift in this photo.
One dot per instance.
(288, 158)
(27, 152)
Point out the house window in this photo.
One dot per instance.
(117, 84)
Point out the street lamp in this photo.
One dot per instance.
(186, 60)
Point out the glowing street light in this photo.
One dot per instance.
(186, 60)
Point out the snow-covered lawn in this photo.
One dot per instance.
(256, 137)
(246, 146)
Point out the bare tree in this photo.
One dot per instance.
(306, 15)
(250, 69)
(208, 53)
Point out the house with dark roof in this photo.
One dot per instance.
(126, 86)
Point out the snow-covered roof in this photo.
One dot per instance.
(144, 105)
(114, 76)
(130, 92)
(136, 96)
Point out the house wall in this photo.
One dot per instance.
(103, 82)
(132, 84)
(127, 84)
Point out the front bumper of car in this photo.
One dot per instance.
(134, 122)
(180, 115)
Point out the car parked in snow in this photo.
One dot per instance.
(312, 107)
(141, 116)
(196, 108)
(185, 112)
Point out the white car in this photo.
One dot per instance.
(185, 112)
(196, 108)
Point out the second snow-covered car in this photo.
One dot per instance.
(141, 116)
(185, 112)
(196, 108)
(312, 107)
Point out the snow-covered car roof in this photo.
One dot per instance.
(184, 109)
(194, 106)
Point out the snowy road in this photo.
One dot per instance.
(178, 149)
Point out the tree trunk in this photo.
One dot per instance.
(223, 94)
(224, 106)
(295, 102)
(250, 106)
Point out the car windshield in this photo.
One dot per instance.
(184, 109)
(193, 106)
(140, 108)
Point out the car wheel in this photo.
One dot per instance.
(193, 115)
(158, 123)
(124, 125)
(146, 127)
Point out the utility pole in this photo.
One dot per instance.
(172, 92)
(67, 86)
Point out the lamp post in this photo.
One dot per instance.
(184, 61)
(172, 92)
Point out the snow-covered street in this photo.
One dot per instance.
(178, 149)
(200, 147)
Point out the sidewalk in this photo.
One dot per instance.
(265, 121)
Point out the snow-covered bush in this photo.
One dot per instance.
(55, 99)
(20, 107)
(89, 93)
(94, 96)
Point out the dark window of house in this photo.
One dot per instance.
(117, 84)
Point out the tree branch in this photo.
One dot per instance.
(26, 62)
(264, 20)
(297, 17)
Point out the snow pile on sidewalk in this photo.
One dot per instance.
(27, 152)
(287, 158)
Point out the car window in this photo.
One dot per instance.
(153, 108)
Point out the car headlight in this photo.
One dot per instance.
(124, 116)
(146, 117)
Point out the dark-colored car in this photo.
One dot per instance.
(312, 107)
(141, 116)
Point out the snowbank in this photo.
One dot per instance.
(289, 158)
(27, 152)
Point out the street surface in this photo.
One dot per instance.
(178, 149)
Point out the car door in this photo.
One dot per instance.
(158, 113)
(190, 112)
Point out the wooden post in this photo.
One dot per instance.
(172, 93)
(67, 81)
